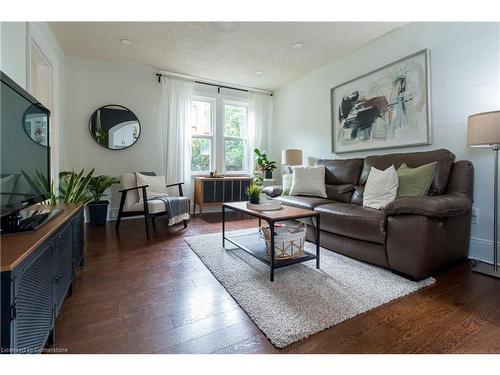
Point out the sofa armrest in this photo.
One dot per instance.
(438, 206)
(273, 191)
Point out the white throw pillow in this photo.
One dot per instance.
(156, 186)
(309, 181)
(381, 188)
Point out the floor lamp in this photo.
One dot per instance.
(483, 130)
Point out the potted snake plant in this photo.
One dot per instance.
(98, 208)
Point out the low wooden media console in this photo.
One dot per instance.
(212, 191)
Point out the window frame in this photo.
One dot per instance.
(217, 137)
(211, 136)
(246, 161)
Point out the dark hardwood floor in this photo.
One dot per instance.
(156, 296)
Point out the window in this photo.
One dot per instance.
(201, 135)
(219, 135)
(235, 138)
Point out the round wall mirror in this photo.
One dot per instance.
(35, 124)
(114, 127)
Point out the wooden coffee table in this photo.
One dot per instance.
(254, 244)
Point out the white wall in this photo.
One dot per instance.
(91, 84)
(41, 35)
(465, 70)
(13, 61)
(16, 39)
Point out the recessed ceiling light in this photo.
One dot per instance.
(259, 72)
(297, 45)
(126, 42)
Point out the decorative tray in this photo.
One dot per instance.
(268, 206)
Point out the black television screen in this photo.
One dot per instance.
(25, 154)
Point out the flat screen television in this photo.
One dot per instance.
(25, 151)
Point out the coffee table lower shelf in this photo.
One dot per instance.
(254, 244)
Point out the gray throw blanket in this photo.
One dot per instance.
(175, 206)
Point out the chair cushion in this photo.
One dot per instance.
(350, 220)
(154, 206)
(156, 185)
(302, 202)
(127, 181)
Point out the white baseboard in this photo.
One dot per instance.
(481, 249)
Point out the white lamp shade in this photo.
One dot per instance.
(291, 157)
(483, 129)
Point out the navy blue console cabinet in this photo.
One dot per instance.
(38, 269)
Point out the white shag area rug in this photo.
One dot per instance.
(302, 300)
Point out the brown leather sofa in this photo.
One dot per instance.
(412, 236)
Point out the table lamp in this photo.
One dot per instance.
(483, 130)
(291, 157)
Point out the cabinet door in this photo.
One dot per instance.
(63, 270)
(219, 191)
(208, 191)
(33, 303)
(228, 191)
(78, 240)
(236, 190)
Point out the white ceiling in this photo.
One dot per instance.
(223, 51)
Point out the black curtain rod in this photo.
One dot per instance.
(211, 84)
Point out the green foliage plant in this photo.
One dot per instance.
(253, 192)
(98, 186)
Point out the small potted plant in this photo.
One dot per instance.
(253, 192)
(98, 208)
(264, 164)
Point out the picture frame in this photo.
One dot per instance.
(389, 107)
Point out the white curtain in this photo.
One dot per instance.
(260, 118)
(176, 99)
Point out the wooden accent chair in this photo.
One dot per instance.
(130, 204)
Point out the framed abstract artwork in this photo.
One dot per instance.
(386, 108)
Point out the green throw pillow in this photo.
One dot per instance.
(415, 182)
(287, 184)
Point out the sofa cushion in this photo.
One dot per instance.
(350, 220)
(287, 183)
(273, 191)
(340, 177)
(302, 202)
(357, 195)
(444, 161)
(381, 188)
(340, 172)
(340, 193)
(309, 181)
(415, 182)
